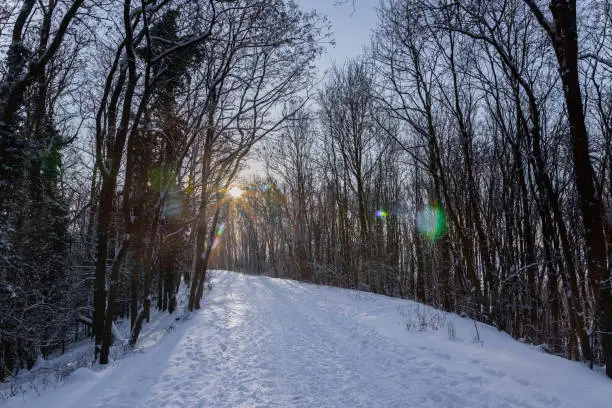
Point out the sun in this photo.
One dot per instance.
(235, 192)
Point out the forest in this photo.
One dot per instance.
(464, 160)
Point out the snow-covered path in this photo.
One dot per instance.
(262, 342)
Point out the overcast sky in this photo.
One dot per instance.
(351, 27)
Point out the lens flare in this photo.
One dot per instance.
(160, 177)
(235, 192)
(173, 205)
(431, 222)
(381, 214)
(217, 240)
(190, 188)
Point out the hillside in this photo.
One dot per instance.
(262, 342)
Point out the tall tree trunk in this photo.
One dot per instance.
(564, 38)
(200, 258)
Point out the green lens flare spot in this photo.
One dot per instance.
(431, 222)
(381, 214)
(160, 177)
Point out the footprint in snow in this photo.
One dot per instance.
(494, 372)
(522, 381)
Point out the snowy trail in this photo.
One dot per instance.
(262, 342)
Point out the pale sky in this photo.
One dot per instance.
(351, 27)
(351, 30)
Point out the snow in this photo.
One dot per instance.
(263, 342)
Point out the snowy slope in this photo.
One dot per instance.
(262, 342)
